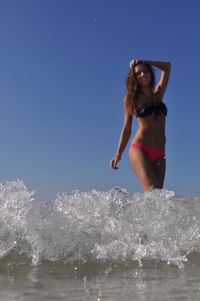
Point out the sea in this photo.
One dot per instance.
(98, 245)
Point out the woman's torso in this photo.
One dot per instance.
(151, 130)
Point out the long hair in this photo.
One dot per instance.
(133, 88)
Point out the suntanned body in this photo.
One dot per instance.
(151, 130)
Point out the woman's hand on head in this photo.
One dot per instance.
(133, 63)
(114, 161)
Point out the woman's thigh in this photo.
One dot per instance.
(159, 167)
(143, 168)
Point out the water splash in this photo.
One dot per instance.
(99, 226)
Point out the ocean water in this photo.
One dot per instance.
(98, 245)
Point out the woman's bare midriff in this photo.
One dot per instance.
(151, 132)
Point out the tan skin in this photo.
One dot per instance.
(151, 130)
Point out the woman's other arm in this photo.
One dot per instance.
(124, 137)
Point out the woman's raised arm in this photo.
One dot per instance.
(165, 68)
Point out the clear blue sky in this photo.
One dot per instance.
(63, 65)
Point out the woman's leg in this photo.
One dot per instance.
(143, 168)
(159, 167)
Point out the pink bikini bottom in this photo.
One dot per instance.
(152, 153)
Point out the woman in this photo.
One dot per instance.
(144, 100)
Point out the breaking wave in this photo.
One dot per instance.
(98, 226)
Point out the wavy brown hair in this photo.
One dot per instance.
(132, 87)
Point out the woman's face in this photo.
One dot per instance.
(143, 75)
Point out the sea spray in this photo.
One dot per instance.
(99, 226)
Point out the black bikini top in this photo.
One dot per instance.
(151, 108)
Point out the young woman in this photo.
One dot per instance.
(144, 100)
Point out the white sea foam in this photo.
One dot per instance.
(98, 226)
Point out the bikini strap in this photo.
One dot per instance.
(146, 96)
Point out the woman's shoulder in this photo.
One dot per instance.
(157, 94)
